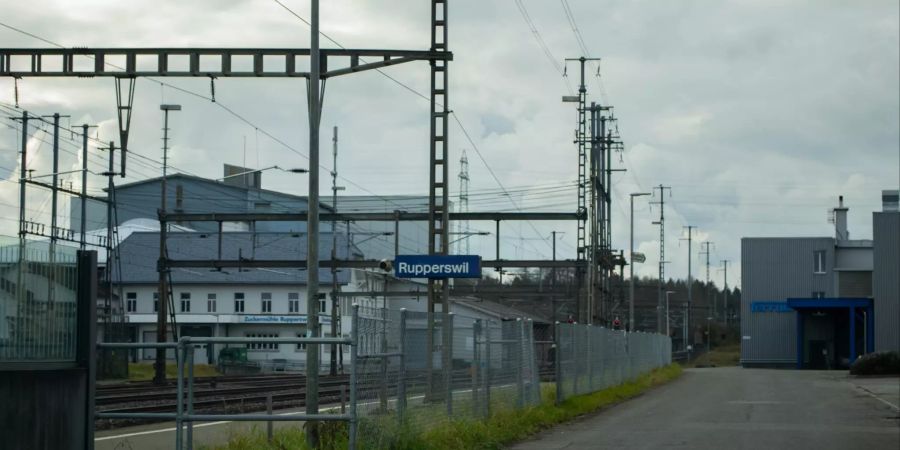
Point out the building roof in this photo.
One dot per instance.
(123, 187)
(498, 310)
(140, 251)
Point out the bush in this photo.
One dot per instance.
(878, 363)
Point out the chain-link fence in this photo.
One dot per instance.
(591, 358)
(477, 367)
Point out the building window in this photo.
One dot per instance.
(266, 302)
(818, 294)
(819, 261)
(156, 302)
(131, 302)
(323, 306)
(185, 302)
(293, 302)
(301, 346)
(266, 346)
(238, 302)
(211, 303)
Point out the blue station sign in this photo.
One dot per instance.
(437, 266)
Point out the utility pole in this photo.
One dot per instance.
(464, 199)
(335, 317)
(662, 253)
(690, 281)
(312, 228)
(725, 295)
(631, 266)
(581, 140)
(84, 157)
(162, 300)
(710, 306)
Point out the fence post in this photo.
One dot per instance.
(474, 366)
(401, 381)
(557, 369)
(383, 388)
(575, 373)
(520, 379)
(448, 371)
(354, 342)
(179, 392)
(535, 386)
(269, 423)
(590, 357)
(487, 370)
(190, 394)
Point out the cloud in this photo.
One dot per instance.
(757, 113)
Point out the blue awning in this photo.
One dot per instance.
(821, 303)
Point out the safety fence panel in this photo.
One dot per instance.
(476, 367)
(38, 291)
(591, 358)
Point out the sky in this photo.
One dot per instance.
(757, 113)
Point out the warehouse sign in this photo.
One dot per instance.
(437, 266)
(778, 307)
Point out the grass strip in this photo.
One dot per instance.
(499, 430)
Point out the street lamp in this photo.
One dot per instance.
(631, 266)
(667, 311)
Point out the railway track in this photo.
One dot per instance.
(245, 394)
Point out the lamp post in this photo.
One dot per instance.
(668, 293)
(631, 266)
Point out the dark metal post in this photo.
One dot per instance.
(474, 368)
(312, 225)
(520, 362)
(383, 388)
(557, 359)
(354, 346)
(86, 334)
(190, 394)
(269, 412)
(487, 369)
(401, 377)
(448, 359)
(179, 393)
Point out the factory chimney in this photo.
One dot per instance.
(840, 221)
(890, 200)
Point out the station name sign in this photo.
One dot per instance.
(437, 266)
(265, 318)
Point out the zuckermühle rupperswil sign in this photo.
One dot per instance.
(437, 266)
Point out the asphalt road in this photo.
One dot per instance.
(734, 408)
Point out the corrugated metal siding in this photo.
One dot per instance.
(774, 269)
(886, 280)
(855, 284)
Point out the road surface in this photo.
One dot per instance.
(735, 408)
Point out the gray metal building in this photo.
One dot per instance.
(819, 302)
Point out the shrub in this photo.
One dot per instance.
(878, 363)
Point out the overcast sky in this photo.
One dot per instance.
(757, 113)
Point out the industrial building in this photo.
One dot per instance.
(820, 302)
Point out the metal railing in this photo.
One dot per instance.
(184, 415)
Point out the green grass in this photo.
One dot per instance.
(724, 356)
(144, 371)
(502, 428)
